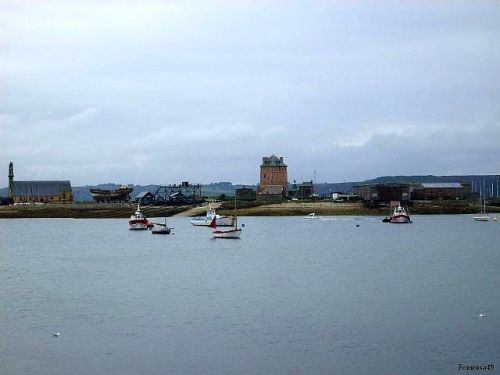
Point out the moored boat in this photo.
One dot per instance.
(226, 233)
(222, 221)
(138, 221)
(313, 216)
(482, 215)
(399, 216)
(164, 228)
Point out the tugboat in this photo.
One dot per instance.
(399, 216)
(138, 221)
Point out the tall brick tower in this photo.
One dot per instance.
(273, 172)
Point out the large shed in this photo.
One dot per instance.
(41, 192)
(440, 190)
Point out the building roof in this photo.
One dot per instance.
(40, 188)
(273, 160)
(442, 185)
(306, 184)
(142, 194)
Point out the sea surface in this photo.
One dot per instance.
(345, 295)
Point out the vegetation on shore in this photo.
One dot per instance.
(331, 208)
(86, 211)
(124, 210)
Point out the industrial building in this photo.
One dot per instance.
(389, 192)
(377, 193)
(441, 190)
(39, 191)
(305, 190)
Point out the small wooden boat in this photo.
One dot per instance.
(165, 229)
(161, 231)
(226, 233)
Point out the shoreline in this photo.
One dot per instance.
(124, 210)
(86, 211)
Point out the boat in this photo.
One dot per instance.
(138, 221)
(399, 216)
(313, 216)
(482, 214)
(222, 221)
(122, 194)
(165, 229)
(226, 233)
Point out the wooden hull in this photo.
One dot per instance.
(119, 195)
(161, 231)
(231, 233)
(222, 221)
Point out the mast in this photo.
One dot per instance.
(235, 217)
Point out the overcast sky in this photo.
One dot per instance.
(166, 91)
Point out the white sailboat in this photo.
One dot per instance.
(226, 233)
(482, 215)
(222, 221)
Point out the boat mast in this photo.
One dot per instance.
(235, 217)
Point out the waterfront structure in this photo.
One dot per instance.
(145, 198)
(183, 193)
(122, 194)
(391, 192)
(305, 190)
(378, 193)
(270, 194)
(245, 194)
(441, 190)
(273, 178)
(53, 191)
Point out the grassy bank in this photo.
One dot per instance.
(330, 208)
(124, 210)
(85, 210)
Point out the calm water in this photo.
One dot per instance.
(291, 297)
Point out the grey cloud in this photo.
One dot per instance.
(162, 91)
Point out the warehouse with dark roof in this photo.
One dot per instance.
(39, 191)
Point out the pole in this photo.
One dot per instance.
(235, 217)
